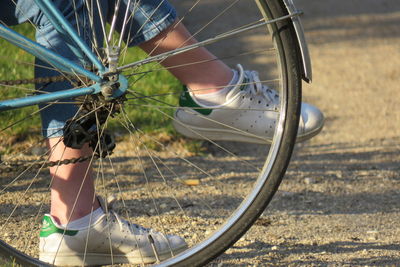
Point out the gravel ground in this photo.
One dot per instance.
(339, 202)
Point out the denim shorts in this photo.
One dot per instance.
(149, 18)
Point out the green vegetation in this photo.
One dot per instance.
(5, 262)
(17, 64)
(162, 88)
(14, 65)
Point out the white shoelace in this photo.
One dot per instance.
(124, 223)
(138, 228)
(256, 88)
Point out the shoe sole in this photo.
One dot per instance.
(230, 135)
(79, 259)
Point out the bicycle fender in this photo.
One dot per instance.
(301, 40)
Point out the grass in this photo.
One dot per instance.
(12, 66)
(10, 69)
(7, 262)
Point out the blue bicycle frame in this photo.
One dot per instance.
(78, 47)
(88, 58)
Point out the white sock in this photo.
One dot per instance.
(84, 222)
(218, 97)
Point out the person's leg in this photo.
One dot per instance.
(67, 180)
(72, 189)
(76, 211)
(211, 84)
(155, 28)
(207, 77)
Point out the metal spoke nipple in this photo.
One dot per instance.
(153, 246)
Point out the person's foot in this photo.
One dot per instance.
(248, 115)
(109, 240)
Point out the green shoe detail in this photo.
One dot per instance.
(186, 100)
(245, 83)
(49, 228)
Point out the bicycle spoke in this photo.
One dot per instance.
(217, 38)
(207, 118)
(162, 180)
(138, 96)
(135, 73)
(46, 61)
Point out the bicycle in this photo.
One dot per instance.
(104, 82)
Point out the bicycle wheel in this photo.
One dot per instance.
(209, 193)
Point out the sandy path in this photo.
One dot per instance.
(339, 204)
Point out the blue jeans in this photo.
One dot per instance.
(149, 19)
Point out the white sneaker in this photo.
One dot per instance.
(111, 240)
(248, 115)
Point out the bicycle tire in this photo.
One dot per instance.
(290, 59)
(288, 64)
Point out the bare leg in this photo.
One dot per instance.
(206, 77)
(203, 78)
(68, 181)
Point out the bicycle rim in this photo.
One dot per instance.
(210, 193)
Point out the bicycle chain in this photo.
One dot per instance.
(15, 166)
(60, 78)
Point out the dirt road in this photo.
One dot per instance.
(339, 204)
